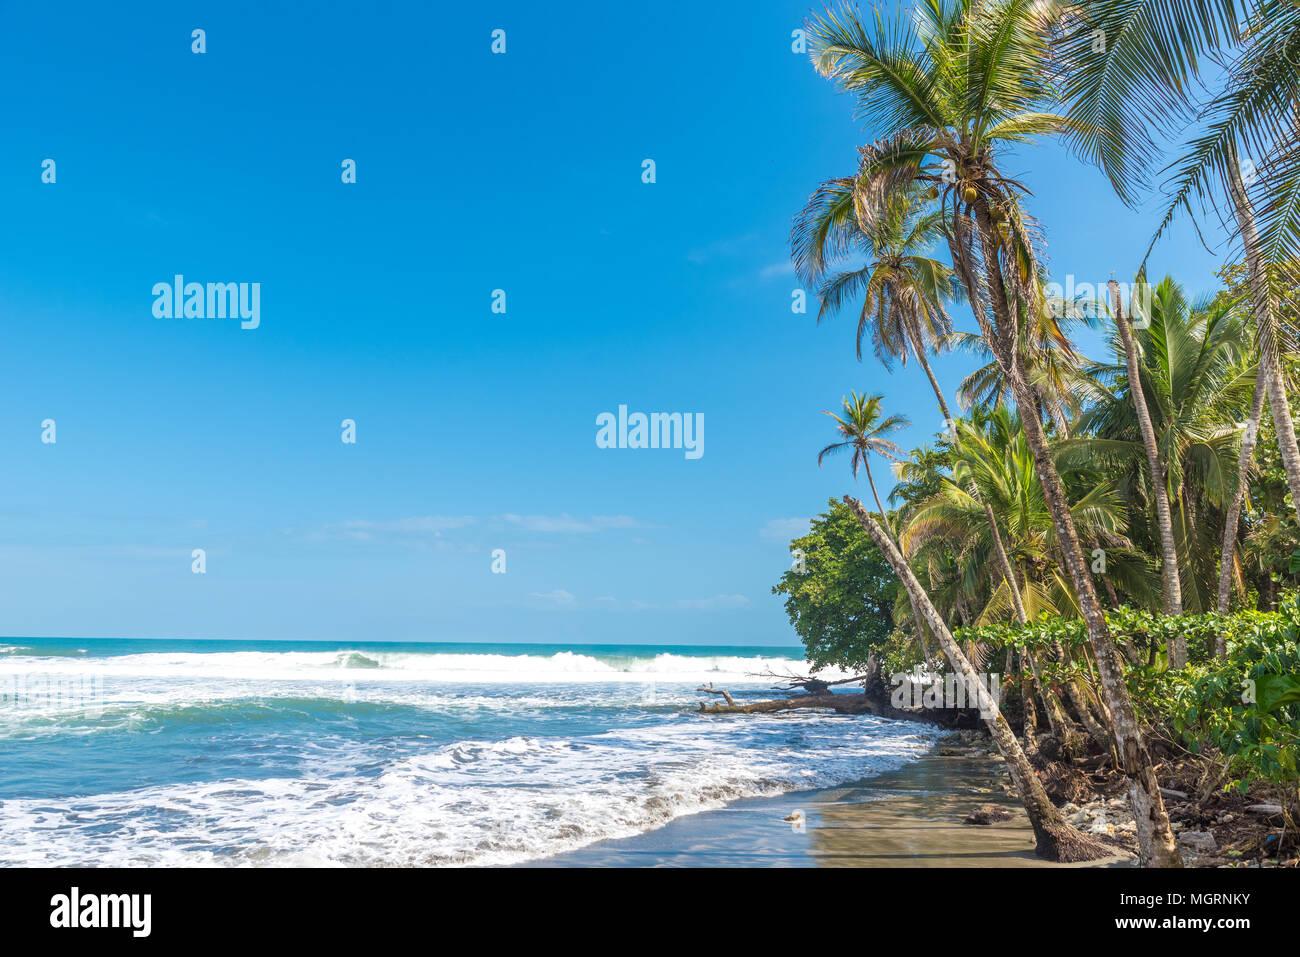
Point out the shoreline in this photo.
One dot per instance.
(909, 817)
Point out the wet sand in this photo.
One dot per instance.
(911, 817)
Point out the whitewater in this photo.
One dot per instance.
(120, 752)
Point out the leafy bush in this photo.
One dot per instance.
(1247, 705)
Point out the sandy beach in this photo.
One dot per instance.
(911, 817)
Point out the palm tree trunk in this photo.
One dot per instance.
(1265, 311)
(876, 495)
(1062, 728)
(1029, 705)
(1173, 591)
(1008, 573)
(1244, 456)
(1156, 847)
(1078, 698)
(916, 616)
(918, 349)
(1056, 839)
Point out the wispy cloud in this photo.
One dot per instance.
(558, 597)
(714, 603)
(422, 526)
(719, 248)
(783, 529)
(782, 268)
(570, 523)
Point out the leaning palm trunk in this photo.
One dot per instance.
(1062, 729)
(1173, 591)
(1265, 311)
(1008, 572)
(1078, 699)
(999, 548)
(1228, 559)
(1029, 705)
(1156, 847)
(1056, 839)
(918, 348)
(1056, 716)
(916, 616)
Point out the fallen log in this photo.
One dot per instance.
(843, 703)
(874, 699)
(955, 718)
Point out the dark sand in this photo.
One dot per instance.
(911, 817)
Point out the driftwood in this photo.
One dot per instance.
(874, 699)
(711, 690)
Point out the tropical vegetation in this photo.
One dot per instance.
(1119, 530)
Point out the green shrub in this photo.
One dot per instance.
(1247, 705)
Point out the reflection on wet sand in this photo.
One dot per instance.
(911, 817)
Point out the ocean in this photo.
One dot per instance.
(135, 752)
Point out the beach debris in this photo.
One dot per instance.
(1265, 809)
(875, 699)
(709, 689)
(988, 814)
(1198, 842)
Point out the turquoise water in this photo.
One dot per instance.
(134, 752)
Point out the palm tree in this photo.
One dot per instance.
(1055, 838)
(993, 471)
(902, 289)
(992, 507)
(1228, 549)
(1196, 375)
(1173, 593)
(946, 94)
(1051, 363)
(1149, 67)
(864, 430)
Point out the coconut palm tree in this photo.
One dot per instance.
(902, 290)
(946, 94)
(1173, 591)
(1148, 66)
(864, 431)
(993, 472)
(1196, 375)
(1055, 838)
(993, 503)
(1051, 362)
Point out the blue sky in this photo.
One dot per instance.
(475, 430)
